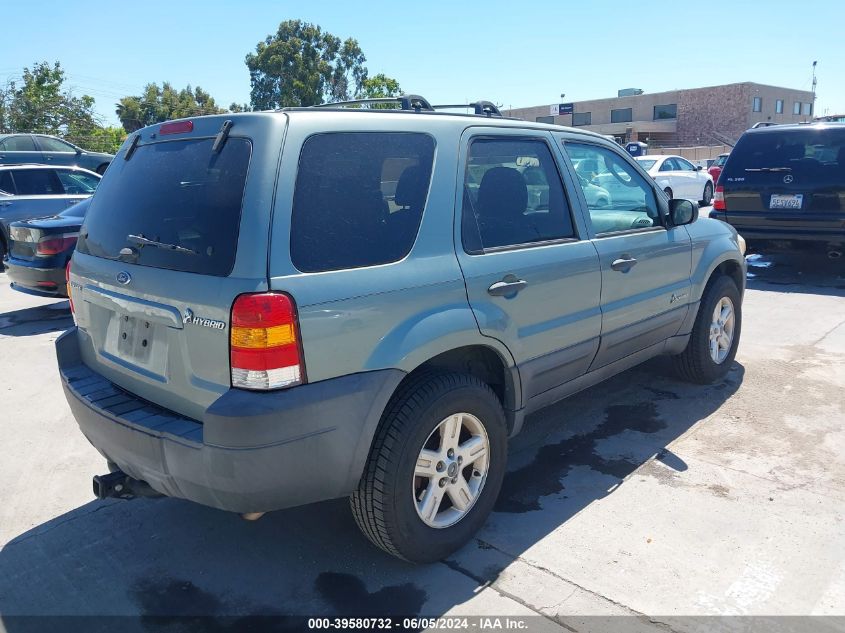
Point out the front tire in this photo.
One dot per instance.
(435, 468)
(715, 335)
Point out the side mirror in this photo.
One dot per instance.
(78, 151)
(682, 211)
(698, 168)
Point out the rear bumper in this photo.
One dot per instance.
(252, 452)
(807, 231)
(26, 277)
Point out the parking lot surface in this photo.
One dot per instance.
(641, 496)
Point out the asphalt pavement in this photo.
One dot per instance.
(643, 496)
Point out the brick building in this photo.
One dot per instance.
(698, 116)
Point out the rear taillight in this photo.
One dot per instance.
(55, 245)
(265, 345)
(719, 199)
(67, 281)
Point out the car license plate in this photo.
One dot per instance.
(786, 201)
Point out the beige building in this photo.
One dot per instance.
(698, 116)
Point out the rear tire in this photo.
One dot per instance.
(668, 192)
(708, 195)
(393, 497)
(708, 355)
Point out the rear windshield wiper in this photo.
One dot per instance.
(143, 241)
(768, 169)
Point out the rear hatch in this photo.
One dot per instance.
(55, 233)
(788, 180)
(176, 231)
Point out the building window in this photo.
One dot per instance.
(545, 119)
(779, 106)
(582, 118)
(622, 115)
(758, 104)
(796, 107)
(668, 111)
(807, 109)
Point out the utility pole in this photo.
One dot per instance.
(813, 106)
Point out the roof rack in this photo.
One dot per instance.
(417, 104)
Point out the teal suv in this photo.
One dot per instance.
(278, 308)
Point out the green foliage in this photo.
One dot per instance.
(100, 139)
(379, 86)
(162, 104)
(302, 65)
(40, 104)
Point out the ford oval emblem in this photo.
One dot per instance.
(124, 278)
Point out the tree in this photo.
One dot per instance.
(302, 65)
(378, 87)
(162, 104)
(41, 104)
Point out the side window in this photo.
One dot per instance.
(49, 144)
(37, 182)
(618, 198)
(77, 182)
(668, 165)
(512, 195)
(684, 165)
(7, 185)
(359, 198)
(21, 143)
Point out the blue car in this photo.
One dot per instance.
(41, 149)
(40, 250)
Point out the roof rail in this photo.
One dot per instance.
(417, 104)
(405, 102)
(485, 108)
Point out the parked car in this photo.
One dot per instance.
(259, 328)
(679, 178)
(40, 250)
(42, 149)
(35, 191)
(715, 170)
(786, 183)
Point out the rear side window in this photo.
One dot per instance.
(37, 182)
(512, 195)
(178, 194)
(359, 198)
(812, 153)
(6, 183)
(18, 144)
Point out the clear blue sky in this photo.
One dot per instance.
(514, 53)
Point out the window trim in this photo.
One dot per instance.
(796, 108)
(756, 104)
(589, 116)
(576, 237)
(664, 105)
(630, 120)
(779, 106)
(661, 217)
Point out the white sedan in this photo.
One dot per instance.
(679, 178)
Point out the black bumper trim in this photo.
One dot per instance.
(252, 452)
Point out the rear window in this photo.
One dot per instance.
(816, 153)
(359, 198)
(178, 194)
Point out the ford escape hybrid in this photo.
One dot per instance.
(282, 307)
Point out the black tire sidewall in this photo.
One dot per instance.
(422, 543)
(707, 198)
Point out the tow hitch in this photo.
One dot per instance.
(120, 485)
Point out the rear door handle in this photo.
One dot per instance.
(624, 263)
(510, 285)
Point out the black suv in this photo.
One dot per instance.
(786, 182)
